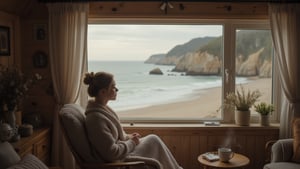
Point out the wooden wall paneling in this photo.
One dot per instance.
(174, 146)
(194, 149)
(173, 143)
(203, 142)
(240, 143)
(167, 139)
(259, 146)
(249, 149)
(183, 147)
(187, 144)
(219, 140)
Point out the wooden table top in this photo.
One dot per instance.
(237, 161)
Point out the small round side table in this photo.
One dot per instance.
(238, 161)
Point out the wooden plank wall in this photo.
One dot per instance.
(181, 10)
(187, 143)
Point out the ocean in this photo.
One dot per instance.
(137, 88)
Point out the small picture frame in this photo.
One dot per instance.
(40, 59)
(40, 32)
(4, 41)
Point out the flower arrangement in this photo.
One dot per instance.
(264, 108)
(13, 87)
(242, 100)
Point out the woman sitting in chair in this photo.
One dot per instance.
(107, 135)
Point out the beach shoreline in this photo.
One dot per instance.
(203, 103)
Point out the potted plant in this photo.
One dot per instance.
(242, 101)
(264, 110)
(13, 87)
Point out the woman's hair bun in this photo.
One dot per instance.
(88, 79)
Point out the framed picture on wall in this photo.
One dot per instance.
(4, 41)
(40, 32)
(40, 59)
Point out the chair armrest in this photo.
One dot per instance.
(282, 150)
(111, 165)
(124, 164)
(268, 148)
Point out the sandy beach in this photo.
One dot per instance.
(201, 104)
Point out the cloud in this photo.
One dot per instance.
(138, 42)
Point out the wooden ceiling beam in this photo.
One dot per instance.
(240, 1)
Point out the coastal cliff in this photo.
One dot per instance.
(173, 56)
(199, 63)
(203, 56)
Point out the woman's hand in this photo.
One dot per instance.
(136, 140)
(130, 136)
(135, 137)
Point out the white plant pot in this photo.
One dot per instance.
(242, 118)
(265, 120)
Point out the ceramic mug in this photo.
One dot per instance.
(225, 154)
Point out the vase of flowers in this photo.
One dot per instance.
(264, 110)
(242, 101)
(13, 88)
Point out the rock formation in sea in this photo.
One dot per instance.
(156, 71)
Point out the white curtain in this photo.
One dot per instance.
(68, 57)
(285, 21)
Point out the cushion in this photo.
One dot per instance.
(29, 162)
(282, 165)
(73, 119)
(296, 143)
(8, 155)
(282, 150)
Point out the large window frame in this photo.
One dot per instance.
(229, 50)
(229, 31)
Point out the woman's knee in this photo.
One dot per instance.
(154, 137)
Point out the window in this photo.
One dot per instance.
(254, 53)
(192, 58)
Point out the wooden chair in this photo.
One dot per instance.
(67, 114)
(268, 150)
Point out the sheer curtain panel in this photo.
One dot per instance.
(68, 57)
(284, 19)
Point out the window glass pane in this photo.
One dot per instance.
(189, 57)
(254, 54)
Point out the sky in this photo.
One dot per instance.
(139, 42)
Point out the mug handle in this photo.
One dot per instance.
(232, 155)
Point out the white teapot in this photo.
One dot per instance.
(6, 132)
